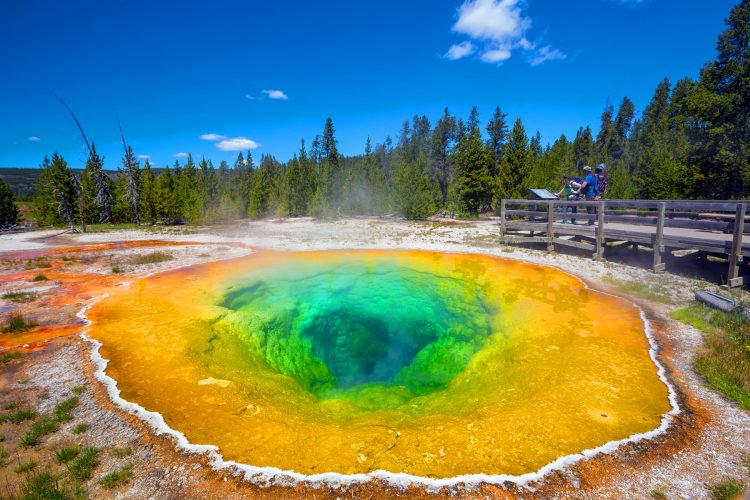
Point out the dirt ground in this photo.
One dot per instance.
(708, 443)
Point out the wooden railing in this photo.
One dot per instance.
(659, 224)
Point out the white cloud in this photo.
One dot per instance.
(237, 144)
(34, 138)
(496, 55)
(500, 26)
(460, 50)
(180, 155)
(213, 137)
(248, 96)
(544, 54)
(276, 94)
(144, 157)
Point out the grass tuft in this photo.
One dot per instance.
(150, 258)
(725, 359)
(727, 490)
(80, 428)
(62, 410)
(25, 467)
(19, 416)
(78, 389)
(42, 485)
(116, 269)
(38, 263)
(118, 477)
(40, 277)
(17, 324)
(66, 454)
(84, 464)
(39, 429)
(7, 357)
(4, 456)
(19, 297)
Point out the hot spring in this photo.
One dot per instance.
(413, 362)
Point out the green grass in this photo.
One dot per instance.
(116, 269)
(84, 464)
(38, 263)
(19, 297)
(654, 293)
(118, 477)
(4, 456)
(40, 277)
(18, 416)
(7, 357)
(725, 360)
(25, 467)
(727, 490)
(17, 324)
(78, 389)
(39, 429)
(66, 454)
(42, 486)
(150, 258)
(121, 452)
(80, 428)
(62, 410)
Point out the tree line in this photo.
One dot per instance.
(691, 141)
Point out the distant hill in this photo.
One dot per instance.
(22, 181)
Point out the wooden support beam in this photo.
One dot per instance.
(502, 217)
(659, 266)
(599, 254)
(734, 259)
(550, 227)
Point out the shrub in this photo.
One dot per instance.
(7, 357)
(727, 490)
(19, 297)
(150, 258)
(17, 324)
(40, 277)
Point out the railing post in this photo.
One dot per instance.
(599, 255)
(658, 243)
(736, 257)
(502, 218)
(550, 226)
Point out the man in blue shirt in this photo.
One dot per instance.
(590, 190)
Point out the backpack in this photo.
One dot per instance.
(602, 181)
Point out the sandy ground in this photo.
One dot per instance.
(708, 444)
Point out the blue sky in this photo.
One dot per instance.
(265, 74)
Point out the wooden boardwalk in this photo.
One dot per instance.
(714, 227)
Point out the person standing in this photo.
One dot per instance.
(571, 191)
(590, 191)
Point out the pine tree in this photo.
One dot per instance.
(64, 189)
(132, 189)
(165, 203)
(584, 149)
(442, 138)
(9, 215)
(497, 129)
(474, 183)
(44, 204)
(516, 163)
(104, 187)
(606, 133)
(148, 193)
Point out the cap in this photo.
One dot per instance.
(587, 168)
